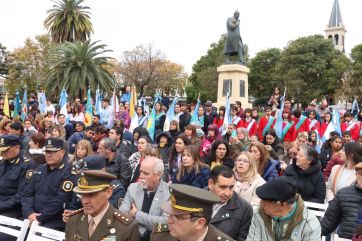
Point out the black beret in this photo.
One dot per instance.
(280, 189)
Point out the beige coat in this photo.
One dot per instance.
(333, 180)
(249, 194)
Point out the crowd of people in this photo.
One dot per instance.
(55, 169)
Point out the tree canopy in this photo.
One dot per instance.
(68, 21)
(78, 66)
(3, 61)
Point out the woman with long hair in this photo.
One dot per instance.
(267, 167)
(79, 115)
(123, 116)
(82, 150)
(36, 151)
(192, 171)
(174, 130)
(190, 133)
(273, 144)
(312, 122)
(219, 155)
(136, 158)
(219, 119)
(274, 100)
(174, 161)
(329, 149)
(327, 118)
(159, 119)
(142, 118)
(59, 131)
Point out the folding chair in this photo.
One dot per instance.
(317, 208)
(39, 233)
(14, 227)
(336, 238)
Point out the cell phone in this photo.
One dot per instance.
(233, 134)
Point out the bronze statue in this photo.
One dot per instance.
(234, 43)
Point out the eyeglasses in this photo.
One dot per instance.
(246, 161)
(178, 218)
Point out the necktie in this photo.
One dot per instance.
(91, 227)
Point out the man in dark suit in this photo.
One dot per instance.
(233, 214)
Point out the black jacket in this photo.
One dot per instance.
(234, 218)
(310, 182)
(342, 212)
(185, 119)
(121, 168)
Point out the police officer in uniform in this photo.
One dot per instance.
(98, 220)
(14, 170)
(190, 211)
(50, 187)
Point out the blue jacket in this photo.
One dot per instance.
(48, 193)
(271, 170)
(13, 178)
(199, 180)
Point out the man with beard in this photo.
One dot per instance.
(143, 200)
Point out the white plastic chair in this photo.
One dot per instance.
(336, 238)
(14, 227)
(321, 208)
(39, 233)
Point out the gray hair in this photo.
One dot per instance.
(158, 165)
(310, 153)
(108, 143)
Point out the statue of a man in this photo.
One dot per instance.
(234, 43)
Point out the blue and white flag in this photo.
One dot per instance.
(63, 104)
(42, 100)
(227, 116)
(319, 143)
(336, 120)
(98, 104)
(170, 114)
(17, 106)
(355, 108)
(152, 118)
(24, 106)
(114, 109)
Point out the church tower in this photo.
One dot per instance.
(335, 29)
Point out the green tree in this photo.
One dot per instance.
(78, 66)
(354, 77)
(263, 75)
(310, 67)
(69, 21)
(3, 61)
(204, 74)
(28, 65)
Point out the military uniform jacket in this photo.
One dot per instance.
(161, 233)
(48, 192)
(114, 226)
(13, 176)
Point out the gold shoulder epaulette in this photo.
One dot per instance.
(160, 227)
(123, 217)
(75, 212)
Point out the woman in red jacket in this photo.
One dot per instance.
(312, 122)
(219, 119)
(326, 120)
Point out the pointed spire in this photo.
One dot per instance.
(336, 18)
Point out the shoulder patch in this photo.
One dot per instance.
(123, 217)
(160, 228)
(67, 186)
(29, 174)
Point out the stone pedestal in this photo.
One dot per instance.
(236, 76)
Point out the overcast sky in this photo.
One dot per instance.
(184, 30)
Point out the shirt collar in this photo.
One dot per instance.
(99, 217)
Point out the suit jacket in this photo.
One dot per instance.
(114, 225)
(234, 218)
(146, 221)
(163, 234)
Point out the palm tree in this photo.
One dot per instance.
(68, 21)
(77, 67)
